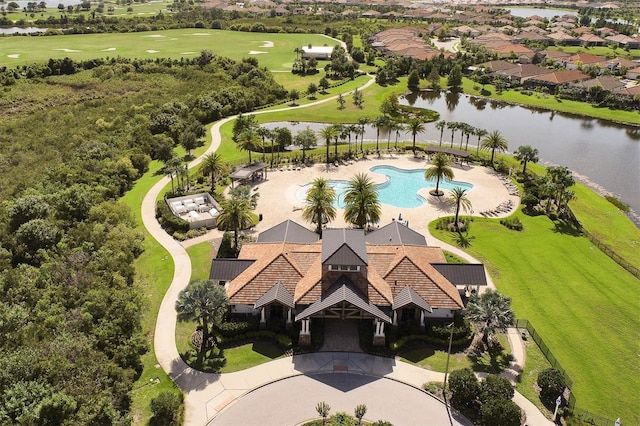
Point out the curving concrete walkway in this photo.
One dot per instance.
(208, 394)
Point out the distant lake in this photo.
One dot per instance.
(27, 30)
(605, 152)
(526, 12)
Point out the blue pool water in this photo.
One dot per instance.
(400, 189)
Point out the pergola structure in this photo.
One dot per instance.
(250, 172)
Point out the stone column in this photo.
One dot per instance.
(378, 335)
(289, 318)
(422, 318)
(304, 338)
(395, 317)
(263, 318)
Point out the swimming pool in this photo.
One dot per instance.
(400, 189)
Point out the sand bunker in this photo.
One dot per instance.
(255, 52)
(200, 34)
(154, 36)
(14, 56)
(267, 44)
(69, 50)
(152, 51)
(109, 49)
(188, 53)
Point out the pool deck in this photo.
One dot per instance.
(278, 200)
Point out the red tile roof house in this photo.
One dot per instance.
(579, 60)
(555, 79)
(387, 276)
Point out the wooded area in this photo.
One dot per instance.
(74, 138)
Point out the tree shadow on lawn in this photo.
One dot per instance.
(417, 354)
(213, 360)
(494, 361)
(267, 348)
(566, 228)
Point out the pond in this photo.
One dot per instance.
(607, 153)
(526, 12)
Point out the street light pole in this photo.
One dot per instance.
(446, 373)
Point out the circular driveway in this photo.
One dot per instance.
(293, 400)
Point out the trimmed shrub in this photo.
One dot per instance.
(514, 224)
(234, 328)
(552, 384)
(168, 220)
(465, 392)
(501, 412)
(495, 387)
(619, 204)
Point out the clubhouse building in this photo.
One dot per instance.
(387, 276)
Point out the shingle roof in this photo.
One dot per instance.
(462, 274)
(396, 234)
(339, 292)
(277, 293)
(409, 296)
(288, 231)
(228, 269)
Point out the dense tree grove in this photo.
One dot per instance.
(73, 139)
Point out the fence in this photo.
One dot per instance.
(612, 254)
(579, 413)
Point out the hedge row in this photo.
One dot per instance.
(401, 342)
(280, 339)
(168, 220)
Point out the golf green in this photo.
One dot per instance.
(275, 51)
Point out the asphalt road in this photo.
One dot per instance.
(292, 401)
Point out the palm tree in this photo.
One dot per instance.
(359, 412)
(415, 126)
(319, 207)
(362, 121)
(459, 198)
(494, 141)
(172, 167)
(491, 312)
(352, 129)
(248, 141)
(359, 132)
(480, 133)
(464, 128)
(398, 127)
(264, 133)
(380, 122)
(361, 201)
(213, 166)
(439, 170)
(392, 126)
(441, 125)
(453, 126)
(339, 135)
(470, 131)
(323, 411)
(235, 215)
(205, 302)
(327, 133)
(525, 154)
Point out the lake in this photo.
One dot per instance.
(526, 12)
(606, 153)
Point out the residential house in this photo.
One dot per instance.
(555, 79)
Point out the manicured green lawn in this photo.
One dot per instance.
(201, 255)
(236, 358)
(583, 304)
(182, 43)
(154, 270)
(436, 360)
